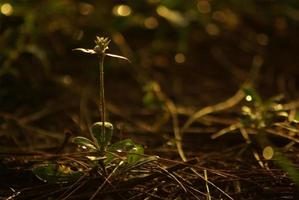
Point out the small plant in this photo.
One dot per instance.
(262, 117)
(259, 115)
(100, 50)
(98, 153)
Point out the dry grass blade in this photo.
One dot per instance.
(173, 112)
(232, 101)
(245, 135)
(231, 128)
(73, 188)
(106, 180)
(209, 182)
(207, 185)
(278, 133)
(291, 105)
(172, 176)
(258, 159)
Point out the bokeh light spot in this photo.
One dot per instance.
(248, 98)
(212, 29)
(257, 61)
(6, 9)
(280, 24)
(172, 16)
(262, 39)
(122, 10)
(151, 23)
(180, 58)
(203, 6)
(85, 8)
(268, 152)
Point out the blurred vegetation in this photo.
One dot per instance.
(163, 38)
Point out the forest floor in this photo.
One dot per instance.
(242, 148)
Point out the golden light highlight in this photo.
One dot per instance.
(212, 29)
(204, 6)
(248, 98)
(268, 152)
(85, 8)
(6, 9)
(151, 23)
(122, 10)
(180, 58)
(172, 16)
(262, 39)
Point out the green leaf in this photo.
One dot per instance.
(84, 143)
(102, 139)
(135, 154)
(123, 145)
(127, 149)
(56, 173)
(148, 99)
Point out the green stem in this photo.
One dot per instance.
(102, 105)
(102, 92)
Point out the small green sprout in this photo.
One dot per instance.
(102, 45)
(261, 113)
(100, 153)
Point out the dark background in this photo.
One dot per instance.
(221, 41)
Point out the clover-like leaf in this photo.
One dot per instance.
(56, 173)
(84, 143)
(126, 149)
(102, 138)
(135, 154)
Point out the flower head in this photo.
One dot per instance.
(101, 45)
(100, 48)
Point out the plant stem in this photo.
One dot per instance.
(102, 109)
(102, 92)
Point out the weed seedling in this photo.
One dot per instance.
(102, 45)
(98, 154)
